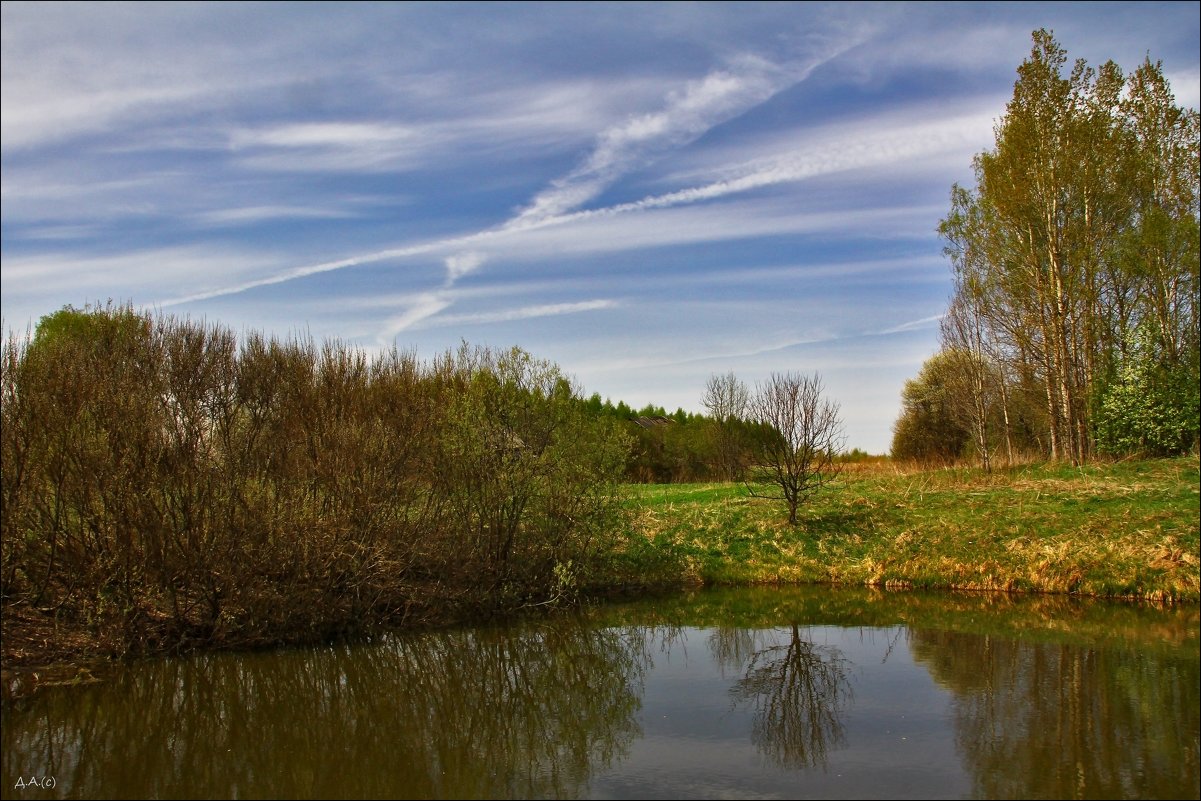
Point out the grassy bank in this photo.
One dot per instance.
(1126, 529)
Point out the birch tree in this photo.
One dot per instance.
(1082, 227)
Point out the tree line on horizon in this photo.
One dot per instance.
(166, 483)
(1072, 329)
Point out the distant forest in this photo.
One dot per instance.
(676, 447)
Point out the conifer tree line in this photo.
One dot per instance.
(1072, 329)
(680, 446)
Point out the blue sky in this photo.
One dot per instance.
(646, 194)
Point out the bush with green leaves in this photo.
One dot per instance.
(1149, 407)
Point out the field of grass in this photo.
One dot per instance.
(1125, 529)
(1121, 530)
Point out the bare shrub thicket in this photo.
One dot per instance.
(165, 485)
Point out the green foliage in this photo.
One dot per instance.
(927, 430)
(1083, 225)
(1149, 408)
(675, 447)
(526, 475)
(91, 328)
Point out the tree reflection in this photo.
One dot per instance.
(1048, 720)
(482, 713)
(799, 691)
(732, 647)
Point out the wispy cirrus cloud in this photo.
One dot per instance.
(329, 146)
(913, 325)
(429, 304)
(687, 114)
(34, 281)
(513, 315)
(690, 356)
(877, 145)
(461, 264)
(249, 215)
(424, 311)
(421, 308)
(880, 143)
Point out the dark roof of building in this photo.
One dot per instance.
(654, 422)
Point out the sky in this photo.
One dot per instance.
(645, 194)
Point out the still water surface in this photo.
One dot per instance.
(749, 693)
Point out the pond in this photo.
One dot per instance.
(749, 693)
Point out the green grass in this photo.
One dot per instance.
(1125, 529)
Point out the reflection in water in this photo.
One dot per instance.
(798, 691)
(732, 647)
(485, 713)
(1045, 720)
(1106, 703)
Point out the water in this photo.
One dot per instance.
(809, 692)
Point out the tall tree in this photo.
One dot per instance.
(1082, 226)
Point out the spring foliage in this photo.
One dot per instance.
(166, 484)
(1075, 264)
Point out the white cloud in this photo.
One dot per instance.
(37, 284)
(686, 115)
(53, 232)
(886, 143)
(677, 357)
(609, 230)
(329, 146)
(321, 134)
(913, 325)
(248, 215)
(74, 69)
(912, 268)
(618, 229)
(1186, 86)
(32, 117)
(522, 313)
(424, 306)
(882, 144)
(291, 275)
(951, 130)
(148, 270)
(460, 264)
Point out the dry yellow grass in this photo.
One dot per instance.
(1125, 529)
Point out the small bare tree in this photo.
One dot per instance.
(727, 400)
(802, 434)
